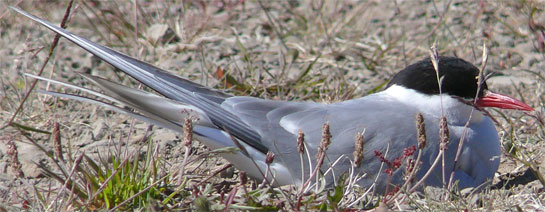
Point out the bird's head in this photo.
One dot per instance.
(458, 78)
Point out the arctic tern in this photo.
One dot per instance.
(386, 120)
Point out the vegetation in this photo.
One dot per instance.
(65, 155)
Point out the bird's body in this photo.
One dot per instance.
(386, 119)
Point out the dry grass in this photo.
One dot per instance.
(312, 50)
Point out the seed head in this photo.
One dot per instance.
(444, 134)
(421, 130)
(270, 158)
(358, 150)
(301, 142)
(243, 178)
(188, 132)
(57, 141)
(14, 162)
(326, 140)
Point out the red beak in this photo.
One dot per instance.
(501, 101)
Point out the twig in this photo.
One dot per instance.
(53, 45)
(421, 137)
(480, 81)
(188, 139)
(322, 149)
(280, 37)
(68, 179)
(224, 167)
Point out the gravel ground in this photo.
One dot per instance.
(353, 46)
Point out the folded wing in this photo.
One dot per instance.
(169, 85)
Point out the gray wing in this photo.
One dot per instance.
(169, 85)
(385, 127)
(278, 122)
(264, 117)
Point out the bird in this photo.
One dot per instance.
(447, 93)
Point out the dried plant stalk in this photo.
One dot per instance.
(57, 142)
(324, 145)
(358, 150)
(188, 139)
(243, 178)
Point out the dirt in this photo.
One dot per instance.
(356, 47)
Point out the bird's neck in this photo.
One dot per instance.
(455, 110)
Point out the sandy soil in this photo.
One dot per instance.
(357, 46)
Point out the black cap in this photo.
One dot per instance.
(459, 78)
